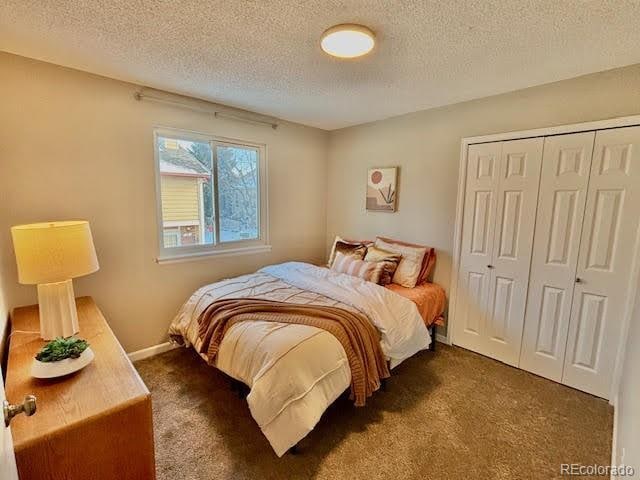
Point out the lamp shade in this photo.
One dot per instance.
(52, 252)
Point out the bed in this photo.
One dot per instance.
(294, 372)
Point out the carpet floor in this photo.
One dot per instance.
(451, 414)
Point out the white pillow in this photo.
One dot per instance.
(410, 265)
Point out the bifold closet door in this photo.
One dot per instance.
(517, 199)
(607, 247)
(497, 236)
(477, 244)
(563, 192)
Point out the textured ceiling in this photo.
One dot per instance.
(264, 55)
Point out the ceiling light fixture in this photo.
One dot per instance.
(347, 40)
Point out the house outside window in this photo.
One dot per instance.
(211, 195)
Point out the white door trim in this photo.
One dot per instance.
(8, 468)
(629, 121)
(626, 320)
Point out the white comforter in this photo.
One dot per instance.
(295, 371)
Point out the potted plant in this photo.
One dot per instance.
(61, 356)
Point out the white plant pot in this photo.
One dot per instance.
(61, 367)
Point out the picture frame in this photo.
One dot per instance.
(382, 189)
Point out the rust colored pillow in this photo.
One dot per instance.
(428, 262)
(426, 273)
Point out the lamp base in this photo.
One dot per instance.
(58, 314)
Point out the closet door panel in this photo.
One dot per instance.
(477, 244)
(517, 198)
(563, 190)
(607, 247)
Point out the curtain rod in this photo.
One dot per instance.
(217, 114)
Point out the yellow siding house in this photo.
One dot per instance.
(182, 179)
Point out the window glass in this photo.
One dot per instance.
(186, 192)
(210, 194)
(238, 195)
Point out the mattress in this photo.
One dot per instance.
(430, 298)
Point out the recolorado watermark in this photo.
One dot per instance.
(579, 470)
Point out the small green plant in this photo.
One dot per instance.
(62, 348)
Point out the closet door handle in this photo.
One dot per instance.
(490, 266)
(578, 280)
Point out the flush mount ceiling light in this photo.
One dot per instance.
(347, 40)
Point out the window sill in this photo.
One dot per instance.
(227, 252)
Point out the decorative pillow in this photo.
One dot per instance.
(370, 271)
(428, 266)
(408, 271)
(428, 263)
(390, 260)
(349, 247)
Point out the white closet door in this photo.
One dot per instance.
(477, 244)
(517, 199)
(497, 236)
(563, 191)
(609, 237)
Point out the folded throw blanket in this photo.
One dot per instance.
(358, 336)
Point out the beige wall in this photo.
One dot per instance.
(426, 147)
(67, 138)
(74, 145)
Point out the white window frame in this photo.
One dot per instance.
(237, 247)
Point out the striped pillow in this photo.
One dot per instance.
(370, 271)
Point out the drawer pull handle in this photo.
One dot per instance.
(28, 407)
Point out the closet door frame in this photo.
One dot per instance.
(629, 121)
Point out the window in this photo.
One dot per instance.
(211, 195)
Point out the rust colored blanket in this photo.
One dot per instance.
(428, 297)
(359, 338)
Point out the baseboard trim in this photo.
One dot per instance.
(151, 351)
(442, 339)
(614, 440)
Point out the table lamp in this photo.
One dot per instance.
(51, 254)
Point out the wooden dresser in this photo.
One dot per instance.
(93, 424)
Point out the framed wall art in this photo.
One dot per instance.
(382, 189)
